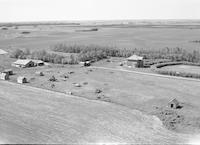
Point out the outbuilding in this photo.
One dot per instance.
(174, 104)
(8, 71)
(135, 61)
(21, 79)
(4, 76)
(38, 62)
(23, 63)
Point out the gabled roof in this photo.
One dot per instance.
(174, 101)
(135, 57)
(22, 61)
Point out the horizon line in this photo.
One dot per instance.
(43, 21)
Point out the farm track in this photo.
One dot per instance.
(147, 74)
(34, 115)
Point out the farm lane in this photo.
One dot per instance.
(34, 115)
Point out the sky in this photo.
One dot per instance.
(48, 10)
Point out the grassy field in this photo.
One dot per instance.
(149, 94)
(31, 115)
(147, 38)
(119, 90)
(183, 68)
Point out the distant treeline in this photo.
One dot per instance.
(44, 56)
(95, 52)
(36, 23)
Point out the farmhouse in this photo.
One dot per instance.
(174, 104)
(4, 76)
(23, 63)
(135, 61)
(21, 80)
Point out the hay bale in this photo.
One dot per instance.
(77, 85)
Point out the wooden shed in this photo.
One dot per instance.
(21, 79)
(174, 104)
(4, 76)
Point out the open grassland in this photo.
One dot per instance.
(183, 68)
(57, 118)
(31, 115)
(42, 37)
(146, 93)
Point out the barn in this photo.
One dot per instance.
(23, 63)
(135, 61)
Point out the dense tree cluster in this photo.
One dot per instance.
(44, 56)
(95, 52)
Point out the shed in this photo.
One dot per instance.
(38, 62)
(8, 71)
(21, 80)
(23, 63)
(174, 104)
(4, 76)
(135, 61)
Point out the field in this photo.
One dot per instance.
(37, 116)
(125, 95)
(147, 38)
(183, 68)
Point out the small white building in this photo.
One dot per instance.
(4, 76)
(21, 80)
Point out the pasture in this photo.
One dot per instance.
(183, 68)
(44, 37)
(148, 94)
(39, 116)
(123, 90)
